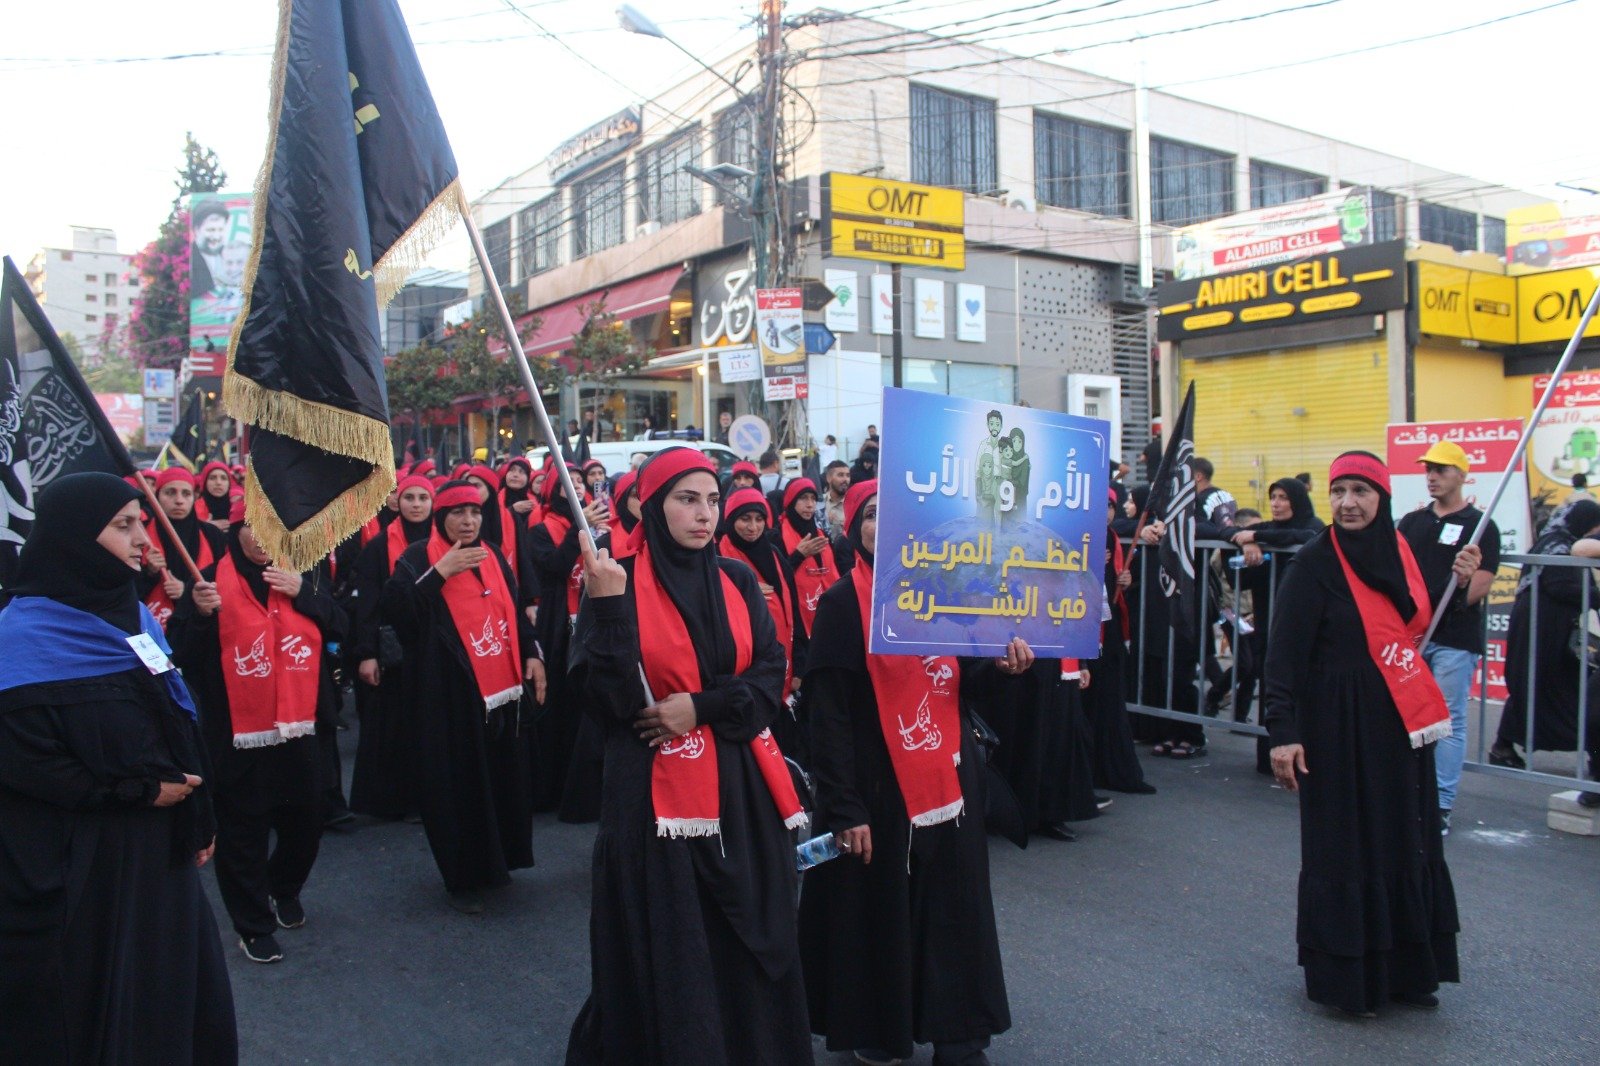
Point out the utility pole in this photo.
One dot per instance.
(765, 197)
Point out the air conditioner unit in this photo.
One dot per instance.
(644, 229)
(1021, 203)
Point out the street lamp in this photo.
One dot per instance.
(633, 20)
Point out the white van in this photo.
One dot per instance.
(618, 454)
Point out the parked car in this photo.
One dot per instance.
(618, 454)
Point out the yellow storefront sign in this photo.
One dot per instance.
(1550, 304)
(893, 221)
(1470, 304)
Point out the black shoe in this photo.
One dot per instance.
(344, 821)
(262, 948)
(1444, 821)
(1358, 1013)
(288, 911)
(467, 902)
(1419, 1000)
(1102, 802)
(1589, 799)
(1506, 755)
(1143, 788)
(1058, 831)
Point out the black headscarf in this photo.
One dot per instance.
(252, 572)
(490, 530)
(555, 496)
(693, 581)
(189, 534)
(63, 559)
(760, 554)
(853, 534)
(803, 526)
(1304, 512)
(1565, 528)
(1374, 552)
(619, 507)
(509, 494)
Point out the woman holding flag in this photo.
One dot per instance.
(815, 568)
(898, 933)
(468, 648)
(1353, 714)
(160, 586)
(692, 929)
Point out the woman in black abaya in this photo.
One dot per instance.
(108, 948)
(1353, 713)
(692, 927)
(1116, 762)
(897, 934)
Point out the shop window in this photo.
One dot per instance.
(1494, 235)
(953, 140)
(1189, 183)
(539, 229)
(597, 204)
(497, 242)
(970, 381)
(1080, 165)
(735, 141)
(1447, 225)
(667, 191)
(1271, 185)
(1388, 215)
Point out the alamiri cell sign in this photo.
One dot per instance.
(1351, 282)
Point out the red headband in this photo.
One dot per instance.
(1361, 465)
(624, 483)
(174, 475)
(741, 499)
(458, 496)
(486, 475)
(745, 466)
(857, 498)
(668, 465)
(424, 467)
(413, 481)
(205, 471)
(796, 487)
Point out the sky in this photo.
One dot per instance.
(99, 93)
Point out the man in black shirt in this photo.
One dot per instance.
(1438, 535)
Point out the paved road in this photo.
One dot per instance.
(1164, 934)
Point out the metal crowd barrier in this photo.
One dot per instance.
(1164, 688)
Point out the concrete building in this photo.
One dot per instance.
(86, 288)
(1049, 161)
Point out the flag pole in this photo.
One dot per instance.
(1519, 451)
(515, 341)
(166, 524)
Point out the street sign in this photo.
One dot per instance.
(781, 334)
(819, 339)
(749, 436)
(893, 221)
(815, 294)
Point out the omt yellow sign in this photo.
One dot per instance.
(1453, 301)
(893, 221)
(1550, 304)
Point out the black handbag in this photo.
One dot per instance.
(988, 740)
(390, 651)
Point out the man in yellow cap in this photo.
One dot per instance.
(1438, 536)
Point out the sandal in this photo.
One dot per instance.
(1505, 755)
(1185, 750)
(1163, 749)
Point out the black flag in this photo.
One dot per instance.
(359, 181)
(50, 423)
(189, 438)
(1172, 500)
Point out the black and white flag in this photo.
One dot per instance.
(1172, 500)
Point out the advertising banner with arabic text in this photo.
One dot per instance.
(991, 525)
(1489, 444)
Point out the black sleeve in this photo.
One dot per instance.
(1282, 538)
(404, 603)
(829, 695)
(552, 558)
(605, 658)
(739, 706)
(1491, 548)
(1297, 613)
(315, 601)
(365, 594)
(36, 762)
(1564, 585)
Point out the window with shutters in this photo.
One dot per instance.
(1388, 215)
(597, 205)
(1447, 225)
(497, 242)
(734, 137)
(1080, 165)
(1189, 183)
(667, 191)
(1271, 185)
(1494, 235)
(953, 140)
(539, 228)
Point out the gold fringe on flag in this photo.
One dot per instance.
(405, 256)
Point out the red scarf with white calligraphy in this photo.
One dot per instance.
(271, 662)
(485, 617)
(814, 576)
(1393, 644)
(158, 601)
(684, 779)
(919, 710)
(508, 536)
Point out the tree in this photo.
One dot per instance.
(419, 382)
(603, 348)
(158, 323)
(484, 365)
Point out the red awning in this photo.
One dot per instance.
(625, 300)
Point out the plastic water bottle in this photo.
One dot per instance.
(816, 851)
(1235, 562)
